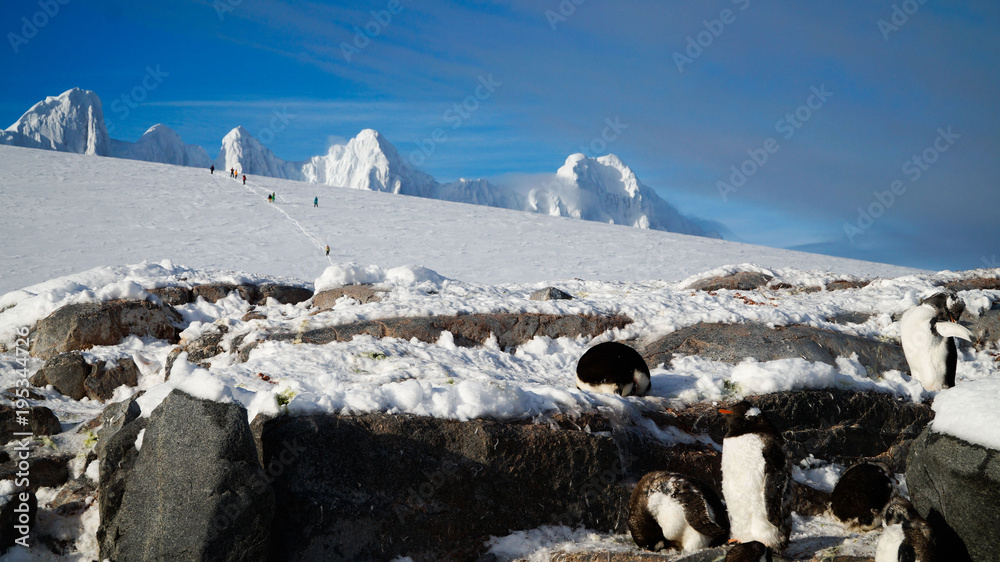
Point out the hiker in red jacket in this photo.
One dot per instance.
(244, 179)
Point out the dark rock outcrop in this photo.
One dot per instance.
(361, 293)
(441, 488)
(82, 326)
(741, 281)
(45, 471)
(733, 343)
(285, 294)
(40, 421)
(174, 296)
(975, 283)
(955, 485)
(510, 329)
(194, 491)
(550, 294)
(215, 292)
(11, 509)
(71, 375)
(67, 373)
(104, 379)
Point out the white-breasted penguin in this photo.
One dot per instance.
(927, 333)
(907, 537)
(749, 552)
(613, 368)
(860, 496)
(669, 510)
(756, 478)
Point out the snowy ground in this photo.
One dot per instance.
(77, 220)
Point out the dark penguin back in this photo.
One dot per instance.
(749, 552)
(610, 363)
(861, 495)
(696, 499)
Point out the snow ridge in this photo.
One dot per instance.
(601, 189)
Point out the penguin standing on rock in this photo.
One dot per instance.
(861, 495)
(907, 536)
(613, 368)
(756, 478)
(668, 510)
(749, 552)
(927, 332)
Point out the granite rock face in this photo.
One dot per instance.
(193, 491)
(955, 485)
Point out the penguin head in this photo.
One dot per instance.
(744, 417)
(898, 511)
(946, 305)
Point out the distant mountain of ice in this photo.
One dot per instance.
(600, 189)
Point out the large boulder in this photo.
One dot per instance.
(955, 485)
(82, 326)
(194, 491)
(733, 343)
(284, 294)
(441, 487)
(740, 281)
(39, 421)
(105, 378)
(67, 373)
(362, 293)
(510, 329)
(73, 376)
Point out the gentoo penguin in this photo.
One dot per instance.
(613, 368)
(861, 495)
(668, 510)
(756, 478)
(907, 537)
(927, 332)
(749, 552)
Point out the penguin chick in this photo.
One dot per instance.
(668, 510)
(927, 332)
(756, 478)
(907, 536)
(613, 368)
(749, 552)
(861, 495)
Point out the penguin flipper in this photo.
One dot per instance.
(953, 330)
(778, 487)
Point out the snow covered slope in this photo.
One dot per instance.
(68, 213)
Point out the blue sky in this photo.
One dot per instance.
(794, 124)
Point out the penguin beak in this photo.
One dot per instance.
(725, 411)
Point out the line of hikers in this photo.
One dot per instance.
(234, 173)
